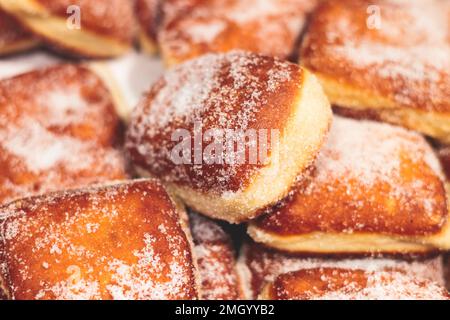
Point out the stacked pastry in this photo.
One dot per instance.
(336, 206)
(360, 188)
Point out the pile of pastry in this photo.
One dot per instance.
(295, 149)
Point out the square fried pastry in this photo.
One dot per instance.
(374, 188)
(122, 241)
(216, 260)
(13, 38)
(343, 284)
(86, 28)
(385, 59)
(220, 129)
(195, 27)
(58, 129)
(258, 266)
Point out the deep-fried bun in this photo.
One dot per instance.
(58, 129)
(13, 38)
(86, 28)
(258, 266)
(216, 261)
(121, 241)
(148, 14)
(342, 284)
(391, 58)
(195, 27)
(375, 188)
(273, 114)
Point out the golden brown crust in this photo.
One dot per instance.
(107, 28)
(239, 92)
(117, 242)
(259, 265)
(111, 18)
(369, 178)
(157, 117)
(405, 60)
(58, 130)
(13, 38)
(192, 28)
(216, 260)
(338, 284)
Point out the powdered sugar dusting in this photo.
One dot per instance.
(97, 244)
(265, 265)
(205, 230)
(350, 142)
(216, 91)
(215, 257)
(264, 26)
(406, 58)
(57, 126)
(381, 286)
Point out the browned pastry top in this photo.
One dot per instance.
(148, 12)
(216, 260)
(406, 59)
(195, 27)
(342, 284)
(370, 178)
(57, 130)
(264, 265)
(116, 242)
(11, 31)
(237, 90)
(114, 18)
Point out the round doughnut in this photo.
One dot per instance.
(391, 58)
(343, 284)
(120, 241)
(195, 27)
(12, 37)
(243, 103)
(215, 256)
(148, 15)
(106, 28)
(58, 130)
(375, 188)
(258, 266)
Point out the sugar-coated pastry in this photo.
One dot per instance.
(343, 284)
(148, 16)
(216, 261)
(391, 58)
(120, 241)
(258, 266)
(229, 133)
(195, 27)
(375, 188)
(86, 28)
(13, 38)
(58, 129)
